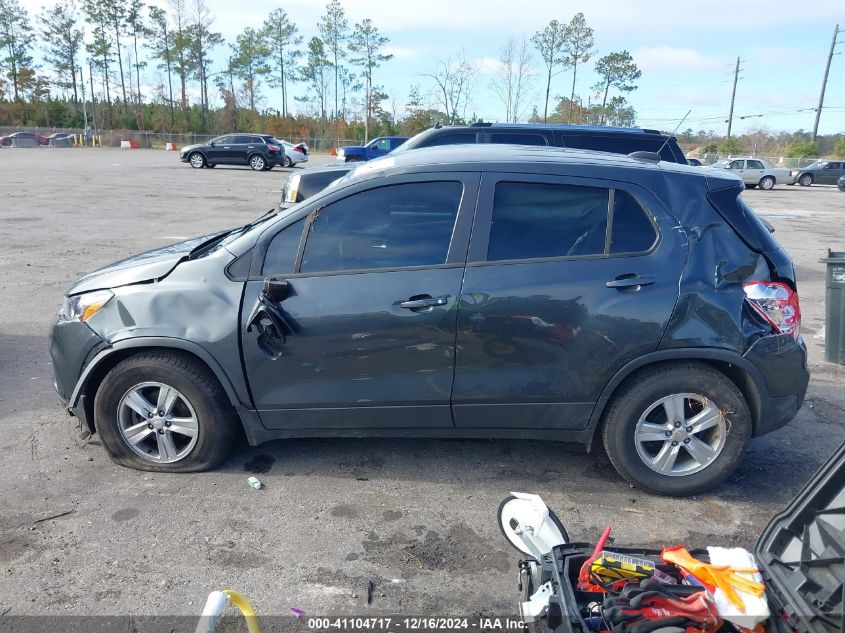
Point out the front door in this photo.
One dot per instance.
(370, 311)
(219, 149)
(567, 280)
(754, 171)
(830, 173)
(378, 148)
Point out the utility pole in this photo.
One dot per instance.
(836, 32)
(733, 98)
(84, 105)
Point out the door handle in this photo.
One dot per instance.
(629, 280)
(225, 147)
(424, 302)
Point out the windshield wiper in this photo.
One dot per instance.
(206, 246)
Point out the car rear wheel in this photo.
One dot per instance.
(767, 182)
(805, 180)
(257, 162)
(287, 162)
(165, 412)
(197, 160)
(677, 429)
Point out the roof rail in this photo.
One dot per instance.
(647, 157)
(480, 124)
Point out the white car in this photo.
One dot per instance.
(294, 154)
(756, 172)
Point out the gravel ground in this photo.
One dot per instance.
(416, 518)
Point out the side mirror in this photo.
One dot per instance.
(276, 290)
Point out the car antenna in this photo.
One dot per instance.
(675, 130)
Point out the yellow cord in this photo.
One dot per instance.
(246, 609)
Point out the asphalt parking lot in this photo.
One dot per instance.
(416, 518)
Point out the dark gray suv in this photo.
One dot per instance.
(472, 291)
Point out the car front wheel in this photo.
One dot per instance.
(257, 162)
(677, 429)
(197, 160)
(805, 180)
(166, 412)
(767, 182)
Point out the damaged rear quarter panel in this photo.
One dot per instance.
(196, 303)
(711, 308)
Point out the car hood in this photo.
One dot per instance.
(802, 552)
(147, 266)
(190, 147)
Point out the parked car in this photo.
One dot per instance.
(756, 172)
(464, 292)
(294, 154)
(600, 138)
(840, 184)
(693, 162)
(60, 139)
(376, 148)
(259, 151)
(822, 172)
(23, 139)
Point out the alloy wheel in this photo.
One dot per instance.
(157, 422)
(257, 163)
(197, 161)
(680, 434)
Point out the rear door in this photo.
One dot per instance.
(374, 281)
(754, 171)
(567, 280)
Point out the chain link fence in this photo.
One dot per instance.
(158, 140)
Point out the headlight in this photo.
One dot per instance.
(83, 307)
(341, 153)
(292, 188)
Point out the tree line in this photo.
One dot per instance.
(123, 64)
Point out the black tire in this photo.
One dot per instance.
(767, 182)
(646, 388)
(805, 180)
(750, 186)
(210, 165)
(257, 162)
(216, 419)
(197, 160)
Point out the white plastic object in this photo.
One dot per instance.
(538, 604)
(756, 607)
(254, 482)
(529, 525)
(217, 601)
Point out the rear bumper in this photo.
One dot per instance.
(782, 362)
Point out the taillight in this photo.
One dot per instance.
(777, 303)
(273, 148)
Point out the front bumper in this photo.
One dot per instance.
(72, 346)
(782, 362)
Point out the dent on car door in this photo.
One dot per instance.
(361, 325)
(567, 280)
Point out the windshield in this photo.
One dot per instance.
(414, 141)
(722, 163)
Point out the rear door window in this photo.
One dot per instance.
(755, 164)
(517, 138)
(454, 138)
(540, 220)
(632, 231)
(388, 227)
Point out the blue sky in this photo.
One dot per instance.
(686, 50)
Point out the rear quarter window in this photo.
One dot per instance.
(622, 144)
(454, 138)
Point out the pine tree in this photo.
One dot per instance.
(16, 38)
(366, 44)
(62, 43)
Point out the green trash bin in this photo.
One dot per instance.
(834, 322)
